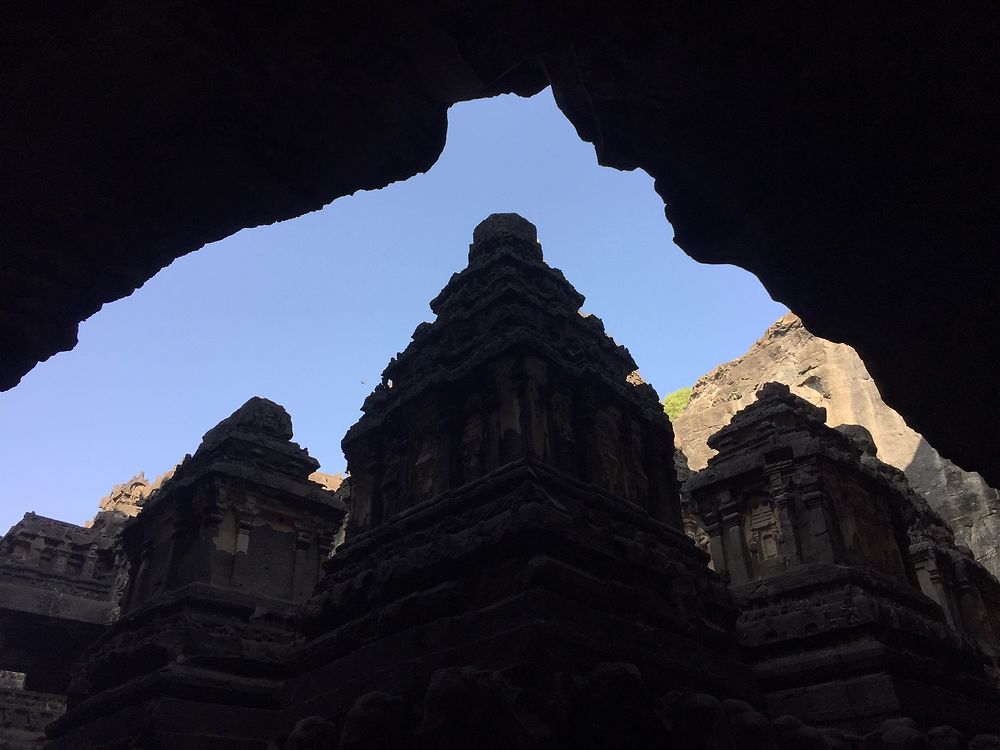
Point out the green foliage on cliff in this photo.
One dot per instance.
(674, 403)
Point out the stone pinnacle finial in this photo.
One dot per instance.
(504, 226)
(498, 225)
(257, 415)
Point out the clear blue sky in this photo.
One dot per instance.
(308, 312)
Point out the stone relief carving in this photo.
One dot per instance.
(696, 532)
(608, 438)
(473, 441)
(762, 530)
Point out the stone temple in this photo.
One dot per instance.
(512, 563)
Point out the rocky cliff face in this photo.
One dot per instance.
(834, 377)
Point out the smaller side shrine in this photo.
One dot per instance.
(842, 626)
(215, 566)
(57, 588)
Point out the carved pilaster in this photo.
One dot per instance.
(244, 529)
(931, 580)
(788, 543)
(820, 545)
(90, 561)
(735, 545)
(715, 548)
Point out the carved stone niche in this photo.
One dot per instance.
(762, 534)
(695, 530)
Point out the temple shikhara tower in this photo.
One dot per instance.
(818, 541)
(515, 511)
(509, 564)
(215, 567)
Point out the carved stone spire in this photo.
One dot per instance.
(514, 511)
(502, 227)
(510, 370)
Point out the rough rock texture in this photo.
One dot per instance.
(24, 714)
(329, 482)
(846, 156)
(834, 377)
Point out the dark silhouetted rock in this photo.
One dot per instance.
(376, 721)
(464, 708)
(313, 733)
(945, 738)
(613, 707)
(847, 159)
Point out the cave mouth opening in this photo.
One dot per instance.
(308, 311)
(831, 154)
